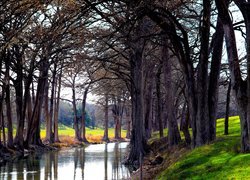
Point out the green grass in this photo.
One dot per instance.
(91, 134)
(219, 160)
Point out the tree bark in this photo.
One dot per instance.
(174, 136)
(138, 140)
(159, 97)
(83, 127)
(52, 103)
(8, 103)
(240, 87)
(128, 118)
(18, 84)
(48, 137)
(214, 78)
(106, 118)
(184, 125)
(33, 134)
(56, 121)
(76, 124)
(202, 117)
(227, 108)
(148, 102)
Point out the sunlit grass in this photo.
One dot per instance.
(219, 160)
(92, 135)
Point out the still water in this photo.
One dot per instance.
(102, 161)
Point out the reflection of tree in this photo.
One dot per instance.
(79, 157)
(55, 159)
(106, 161)
(115, 164)
(19, 169)
(75, 161)
(10, 170)
(33, 165)
(82, 160)
(48, 166)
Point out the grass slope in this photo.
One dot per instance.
(219, 160)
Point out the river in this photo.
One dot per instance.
(94, 162)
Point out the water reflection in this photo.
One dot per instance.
(101, 161)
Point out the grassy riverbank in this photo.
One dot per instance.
(67, 134)
(219, 160)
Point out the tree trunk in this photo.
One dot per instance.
(27, 102)
(128, 118)
(148, 101)
(8, 104)
(48, 137)
(227, 108)
(18, 84)
(138, 140)
(3, 129)
(240, 87)
(29, 115)
(214, 79)
(159, 97)
(174, 137)
(76, 125)
(184, 125)
(56, 136)
(52, 103)
(33, 133)
(106, 118)
(83, 127)
(202, 117)
(116, 120)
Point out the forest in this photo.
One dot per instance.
(157, 70)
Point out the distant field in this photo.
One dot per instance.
(92, 135)
(219, 160)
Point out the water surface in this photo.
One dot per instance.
(102, 161)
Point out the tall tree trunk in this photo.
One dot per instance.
(159, 101)
(117, 110)
(76, 125)
(83, 126)
(202, 117)
(116, 120)
(148, 101)
(27, 101)
(18, 84)
(106, 118)
(8, 104)
(3, 129)
(227, 108)
(174, 136)
(138, 140)
(48, 137)
(214, 79)
(56, 136)
(29, 115)
(52, 102)
(33, 133)
(128, 118)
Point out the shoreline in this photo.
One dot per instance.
(13, 155)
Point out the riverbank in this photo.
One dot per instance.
(221, 159)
